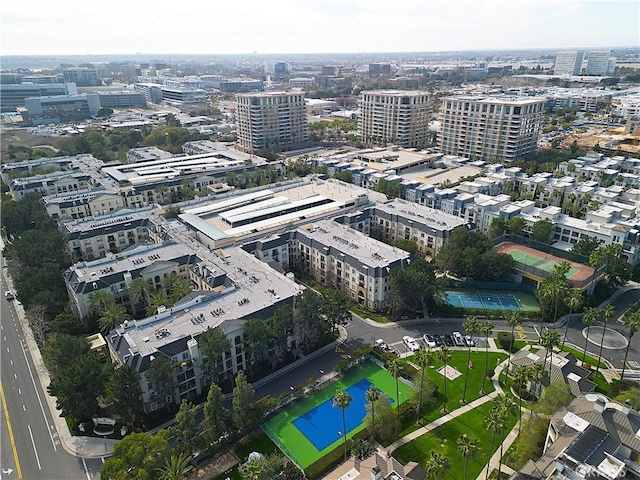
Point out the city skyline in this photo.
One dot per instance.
(306, 26)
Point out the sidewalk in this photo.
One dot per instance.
(495, 458)
(88, 447)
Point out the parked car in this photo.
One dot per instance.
(469, 341)
(382, 345)
(439, 340)
(448, 340)
(411, 343)
(429, 341)
(8, 295)
(458, 339)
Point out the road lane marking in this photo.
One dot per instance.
(10, 429)
(86, 470)
(35, 387)
(34, 447)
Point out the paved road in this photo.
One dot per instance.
(30, 445)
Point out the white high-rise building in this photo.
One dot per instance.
(568, 62)
(482, 128)
(598, 63)
(395, 116)
(274, 121)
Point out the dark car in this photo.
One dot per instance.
(448, 340)
(438, 339)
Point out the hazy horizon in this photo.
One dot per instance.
(73, 27)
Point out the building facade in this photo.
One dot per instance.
(568, 63)
(483, 128)
(395, 116)
(599, 63)
(271, 121)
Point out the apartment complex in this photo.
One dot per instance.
(271, 121)
(394, 116)
(568, 62)
(484, 128)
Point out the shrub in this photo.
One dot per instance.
(505, 340)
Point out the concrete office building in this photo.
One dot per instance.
(146, 154)
(376, 69)
(271, 121)
(62, 108)
(483, 128)
(394, 116)
(568, 62)
(599, 63)
(81, 76)
(13, 96)
(122, 99)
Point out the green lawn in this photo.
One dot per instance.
(443, 440)
(455, 387)
(286, 435)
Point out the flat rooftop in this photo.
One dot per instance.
(432, 218)
(254, 286)
(115, 222)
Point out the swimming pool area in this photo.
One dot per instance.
(491, 300)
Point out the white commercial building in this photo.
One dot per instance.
(568, 62)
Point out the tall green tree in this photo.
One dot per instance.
(161, 376)
(617, 270)
(139, 290)
(471, 327)
(256, 337)
(494, 423)
(342, 400)
(216, 416)
(444, 355)
(541, 231)
(62, 350)
(213, 344)
(590, 319)
(631, 323)
(393, 367)
(468, 448)
(550, 339)
(246, 413)
(574, 302)
(372, 395)
(185, 427)
(486, 328)
(424, 359)
(520, 377)
(100, 300)
(608, 313)
(436, 466)
(156, 300)
(123, 389)
(180, 289)
(308, 323)
(506, 407)
(514, 319)
(138, 456)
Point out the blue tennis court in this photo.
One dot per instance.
(485, 300)
(321, 424)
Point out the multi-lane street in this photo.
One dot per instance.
(31, 447)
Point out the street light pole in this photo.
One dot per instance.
(321, 374)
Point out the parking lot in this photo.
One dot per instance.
(406, 346)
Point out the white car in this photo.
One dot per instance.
(458, 339)
(411, 343)
(429, 341)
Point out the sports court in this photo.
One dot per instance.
(541, 264)
(311, 428)
(492, 300)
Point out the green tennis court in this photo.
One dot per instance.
(537, 261)
(300, 448)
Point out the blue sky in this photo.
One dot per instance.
(312, 26)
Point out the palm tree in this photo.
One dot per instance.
(589, 318)
(536, 373)
(139, 290)
(574, 302)
(168, 281)
(520, 376)
(632, 322)
(112, 316)
(423, 358)
(607, 313)
(157, 299)
(505, 406)
(486, 328)
(99, 300)
(393, 367)
(550, 339)
(468, 448)
(436, 465)
(514, 318)
(342, 400)
(372, 396)
(471, 327)
(444, 355)
(494, 422)
(180, 289)
(176, 467)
